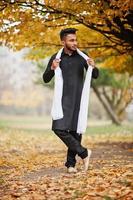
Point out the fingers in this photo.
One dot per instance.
(57, 60)
(55, 63)
(91, 62)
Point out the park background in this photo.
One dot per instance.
(31, 156)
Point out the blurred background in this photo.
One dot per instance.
(30, 36)
(25, 101)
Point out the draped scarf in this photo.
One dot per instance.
(57, 110)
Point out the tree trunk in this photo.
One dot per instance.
(107, 107)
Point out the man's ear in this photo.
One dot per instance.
(62, 42)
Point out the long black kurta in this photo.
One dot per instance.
(73, 79)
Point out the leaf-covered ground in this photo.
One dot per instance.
(32, 166)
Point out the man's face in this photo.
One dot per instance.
(70, 42)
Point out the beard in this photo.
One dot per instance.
(71, 48)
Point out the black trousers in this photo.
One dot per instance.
(73, 141)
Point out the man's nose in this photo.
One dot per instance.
(75, 43)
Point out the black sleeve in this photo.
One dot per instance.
(95, 71)
(49, 73)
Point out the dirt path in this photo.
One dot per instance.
(102, 156)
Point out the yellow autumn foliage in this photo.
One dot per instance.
(36, 25)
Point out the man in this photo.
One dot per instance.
(72, 66)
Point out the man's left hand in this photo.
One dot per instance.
(91, 62)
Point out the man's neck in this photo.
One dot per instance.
(67, 51)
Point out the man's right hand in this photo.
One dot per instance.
(55, 63)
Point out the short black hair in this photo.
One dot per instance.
(66, 31)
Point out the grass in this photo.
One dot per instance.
(109, 129)
(42, 126)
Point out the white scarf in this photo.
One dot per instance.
(57, 111)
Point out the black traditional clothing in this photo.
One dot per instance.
(72, 67)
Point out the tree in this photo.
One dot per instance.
(105, 29)
(114, 92)
(111, 18)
